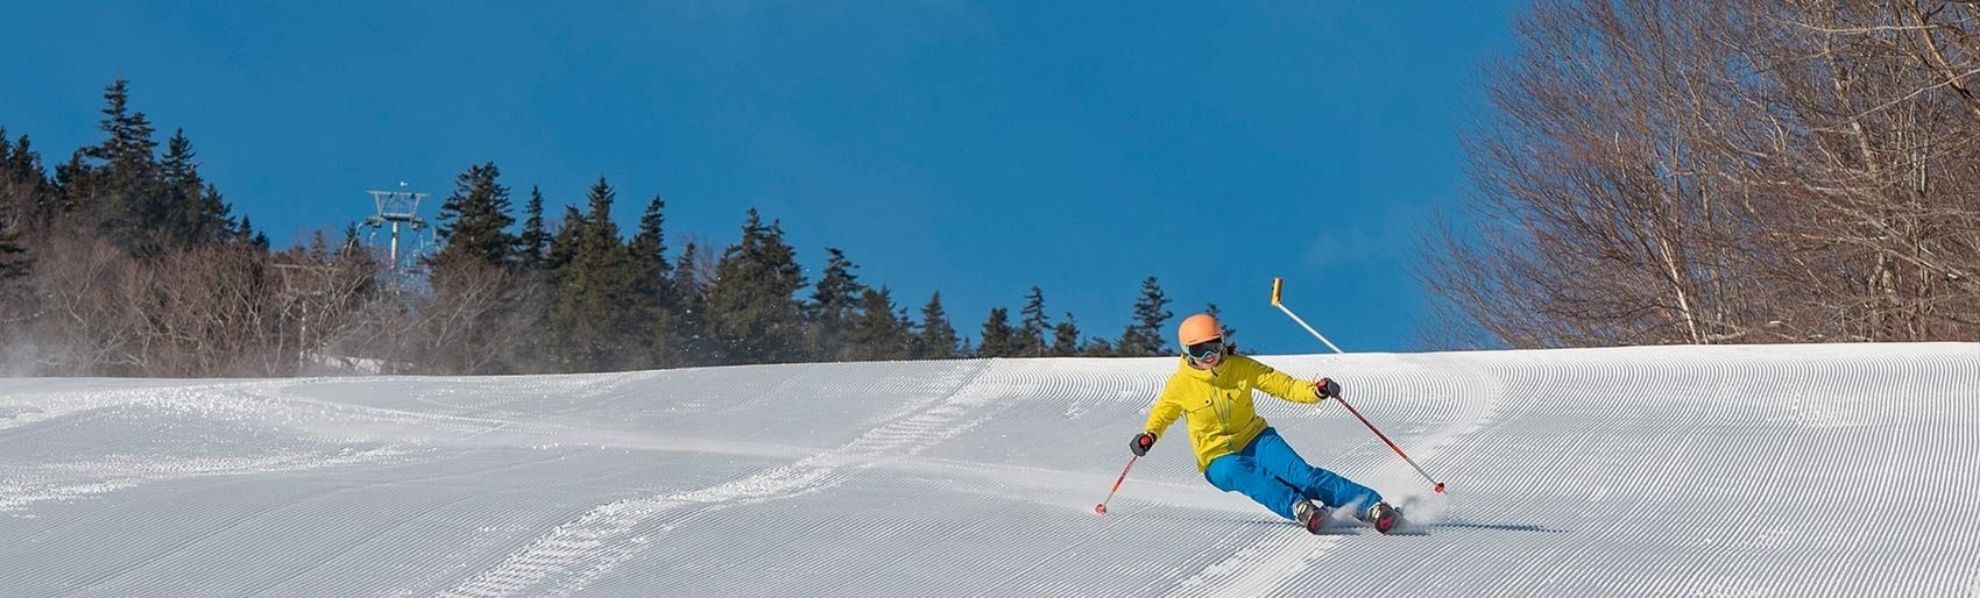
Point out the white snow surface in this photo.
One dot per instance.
(1722, 471)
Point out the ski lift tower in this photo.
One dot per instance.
(396, 208)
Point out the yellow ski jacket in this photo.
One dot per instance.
(1218, 404)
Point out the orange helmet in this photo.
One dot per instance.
(1198, 328)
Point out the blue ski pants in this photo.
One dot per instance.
(1268, 471)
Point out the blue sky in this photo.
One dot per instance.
(974, 148)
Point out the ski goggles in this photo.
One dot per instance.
(1205, 349)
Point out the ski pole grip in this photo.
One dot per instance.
(1278, 286)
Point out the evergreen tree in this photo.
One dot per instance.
(182, 184)
(878, 333)
(690, 332)
(533, 243)
(1031, 334)
(649, 249)
(473, 278)
(937, 339)
(14, 199)
(193, 211)
(130, 143)
(687, 276)
(651, 284)
(999, 339)
(215, 222)
(752, 305)
(1097, 347)
(249, 237)
(564, 244)
(834, 300)
(1065, 338)
(27, 197)
(14, 261)
(77, 184)
(350, 246)
(474, 220)
(590, 326)
(119, 190)
(318, 249)
(1144, 336)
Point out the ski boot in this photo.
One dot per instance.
(1309, 515)
(1385, 518)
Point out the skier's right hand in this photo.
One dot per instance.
(1326, 388)
(1141, 443)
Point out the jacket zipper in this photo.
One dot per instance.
(1224, 415)
(1223, 411)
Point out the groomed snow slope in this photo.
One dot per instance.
(1767, 470)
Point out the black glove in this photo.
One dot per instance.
(1141, 443)
(1327, 388)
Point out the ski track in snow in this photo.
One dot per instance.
(1571, 472)
(575, 553)
(71, 481)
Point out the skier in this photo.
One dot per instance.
(1235, 449)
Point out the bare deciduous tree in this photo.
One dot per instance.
(481, 320)
(211, 310)
(1665, 172)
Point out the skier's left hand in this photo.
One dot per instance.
(1326, 388)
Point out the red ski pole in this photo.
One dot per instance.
(1392, 445)
(1102, 507)
(1278, 286)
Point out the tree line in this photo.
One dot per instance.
(124, 261)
